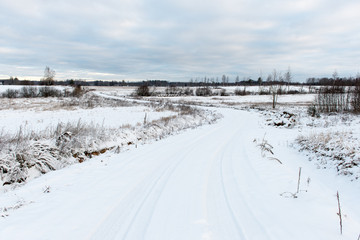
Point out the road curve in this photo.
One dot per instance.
(207, 183)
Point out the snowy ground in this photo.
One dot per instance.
(330, 141)
(3, 88)
(42, 135)
(126, 91)
(213, 182)
(36, 120)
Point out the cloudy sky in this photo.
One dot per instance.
(178, 39)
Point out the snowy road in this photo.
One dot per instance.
(207, 183)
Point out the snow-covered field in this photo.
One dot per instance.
(126, 91)
(3, 88)
(37, 120)
(248, 100)
(42, 135)
(218, 181)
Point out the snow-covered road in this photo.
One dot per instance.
(207, 183)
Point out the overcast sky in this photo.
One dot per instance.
(178, 39)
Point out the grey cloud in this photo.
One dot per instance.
(179, 39)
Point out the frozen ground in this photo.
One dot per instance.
(330, 141)
(126, 91)
(41, 135)
(37, 120)
(298, 99)
(3, 88)
(213, 182)
(208, 183)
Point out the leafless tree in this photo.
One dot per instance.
(356, 96)
(269, 78)
(335, 76)
(49, 76)
(237, 80)
(275, 89)
(275, 75)
(288, 77)
(223, 79)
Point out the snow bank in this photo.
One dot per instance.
(338, 150)
(330, 141)
(29, 154)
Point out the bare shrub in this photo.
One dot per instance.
(264, 91)
(188, 92)
(77, 91)
(33, 92)
(203, 91)
(264, 146)
(49, 92)
(241, 92)
(312, 111)
(10, 93)
(29, 92)
(173, 91)
(143, 91)
(223, 93)
(332, 99)
(293, 92)
(355, 102)
(187, 110)
(166, 120)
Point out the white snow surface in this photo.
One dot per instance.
(208, 183)
(3, 88)
(113, 117)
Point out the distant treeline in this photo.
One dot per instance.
(162, 83)
(157, 83)
(350, 81)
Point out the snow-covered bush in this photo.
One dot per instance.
(29, 154)
(335, 149)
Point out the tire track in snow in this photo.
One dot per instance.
(132, 222)
(153, 187)
(226, 198)
(252, 227)
(219, 200)
(243, 219)
(145, 190)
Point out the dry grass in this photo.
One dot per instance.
(87, 101)
(54, 148)
(339, 149)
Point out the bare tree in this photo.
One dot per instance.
(49, 76)
(237, 80)
(275, 89)
(275, 75)
(288, 77)
(223, 79)
(355, 102)
(269, 78)
(335, 76)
